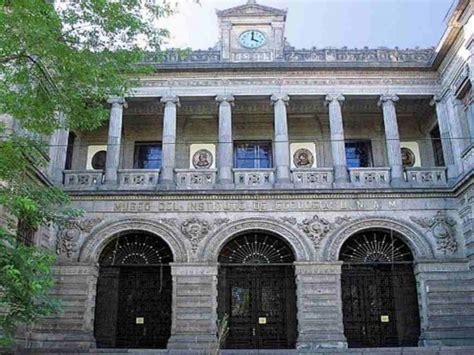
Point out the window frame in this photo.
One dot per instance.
(136, 154)
(257, 160)
(370, 157)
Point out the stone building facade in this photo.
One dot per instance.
(337, 177)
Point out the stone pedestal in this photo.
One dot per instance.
(73, 327)
(194, 323)
(445, 294)
(319, 305)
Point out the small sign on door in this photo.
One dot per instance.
(384, 319)
(262, 320)
(140, 320)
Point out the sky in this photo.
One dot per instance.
(324, 23)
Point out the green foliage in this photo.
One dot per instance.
(57, 57)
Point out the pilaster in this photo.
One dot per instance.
(194, 322)
(281, 141)
(169, 142)
(338, 149)
(225, 149)
(319, 302)
(58, 152)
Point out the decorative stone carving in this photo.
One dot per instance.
(202, 159)
(68, 235)
(408, 157)
(442, 228)
(316, 228)
(196, 229)
(303, 158)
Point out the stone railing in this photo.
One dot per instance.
(370, 177)
(138, 178)
(254, 178)
(321, 178)
(191, 179)
(426, 177)
(83, 179)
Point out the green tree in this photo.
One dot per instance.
(57, 57)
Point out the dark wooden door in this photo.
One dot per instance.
(261, 304)
(380, 305)
(136, 311)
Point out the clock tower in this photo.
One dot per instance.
(252, 33)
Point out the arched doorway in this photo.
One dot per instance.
(133, 302)
(379, 298)
(257, 292)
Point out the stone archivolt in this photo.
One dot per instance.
(442, 228)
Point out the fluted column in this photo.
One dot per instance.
(338, 148)
(114, 139)
(392, 138)
(443, 124)
(58, 152)
(281, 140)
(225, 146)
(169, 141)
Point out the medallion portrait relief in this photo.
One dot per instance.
(303, 158)
(408, 157)
(202, 159)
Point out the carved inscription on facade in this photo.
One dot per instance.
(256, 206)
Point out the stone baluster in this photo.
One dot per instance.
(114, 139)
(338, 148)
(58, 152)
(281, 141)
(392, 138)
(169, 141)
(443, 124)
(225, 147)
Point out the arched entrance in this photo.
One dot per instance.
(133, 302)
(257, 292)
(379, 298)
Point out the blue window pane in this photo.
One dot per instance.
(253, 155)
(147, 156)
(358, 154)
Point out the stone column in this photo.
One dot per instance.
(281, 141)
(443, 124)
(456, 131)
(194, 322)
(225, 149)
(58, 152)
(319, 302)
(114, 140)
(392, 138)
(169, 141)
(338, 148)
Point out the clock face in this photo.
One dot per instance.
(252, 39)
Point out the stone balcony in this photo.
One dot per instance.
(253, 179)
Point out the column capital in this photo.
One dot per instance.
(384, 98)
(229, 98)
(280, 97)
(117, 100)
(339, 98)
(170, 100)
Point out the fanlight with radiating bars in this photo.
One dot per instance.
(136, 249)
(375, 247)
(256, 248)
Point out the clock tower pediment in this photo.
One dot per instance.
(252, 32)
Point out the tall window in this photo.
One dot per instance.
(69, 151)
(25, 233)
(437, 146)
(253, 155)
(147, 155)
(359, 154)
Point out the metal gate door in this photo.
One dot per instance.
(380, 305)
(261, 304)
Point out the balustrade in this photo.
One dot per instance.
(426, 177)
(321, 178)
(191, 179)
(83, 179)
(138, 178)
(254, 178)
(370, 177)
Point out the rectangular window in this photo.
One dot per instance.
(437, 146)
(359, 154)
(147, 155)
(253, 155)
